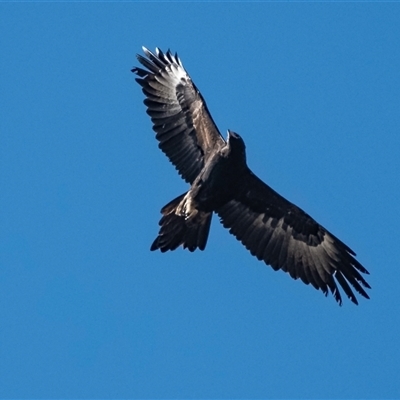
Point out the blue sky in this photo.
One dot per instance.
(86, 310)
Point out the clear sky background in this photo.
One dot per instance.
(86, 310)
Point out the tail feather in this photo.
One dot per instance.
(176, 230)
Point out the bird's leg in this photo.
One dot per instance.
(187, 207)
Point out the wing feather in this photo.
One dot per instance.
(184, 127)
(285, 237)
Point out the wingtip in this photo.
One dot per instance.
(154, 245)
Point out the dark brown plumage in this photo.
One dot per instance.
(269, 226)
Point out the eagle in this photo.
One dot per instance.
(272, 228)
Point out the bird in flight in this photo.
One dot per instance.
(273, 229)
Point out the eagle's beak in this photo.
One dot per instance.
(232, 134)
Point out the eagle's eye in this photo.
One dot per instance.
(234, 135)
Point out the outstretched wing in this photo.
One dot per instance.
(285, 237)
(181, 120)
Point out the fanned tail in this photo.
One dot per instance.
(176, 230)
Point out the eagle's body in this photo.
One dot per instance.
(221, 176)
(273, 229)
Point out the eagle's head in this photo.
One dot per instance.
(236, 145)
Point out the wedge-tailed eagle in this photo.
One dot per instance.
(269, 226)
